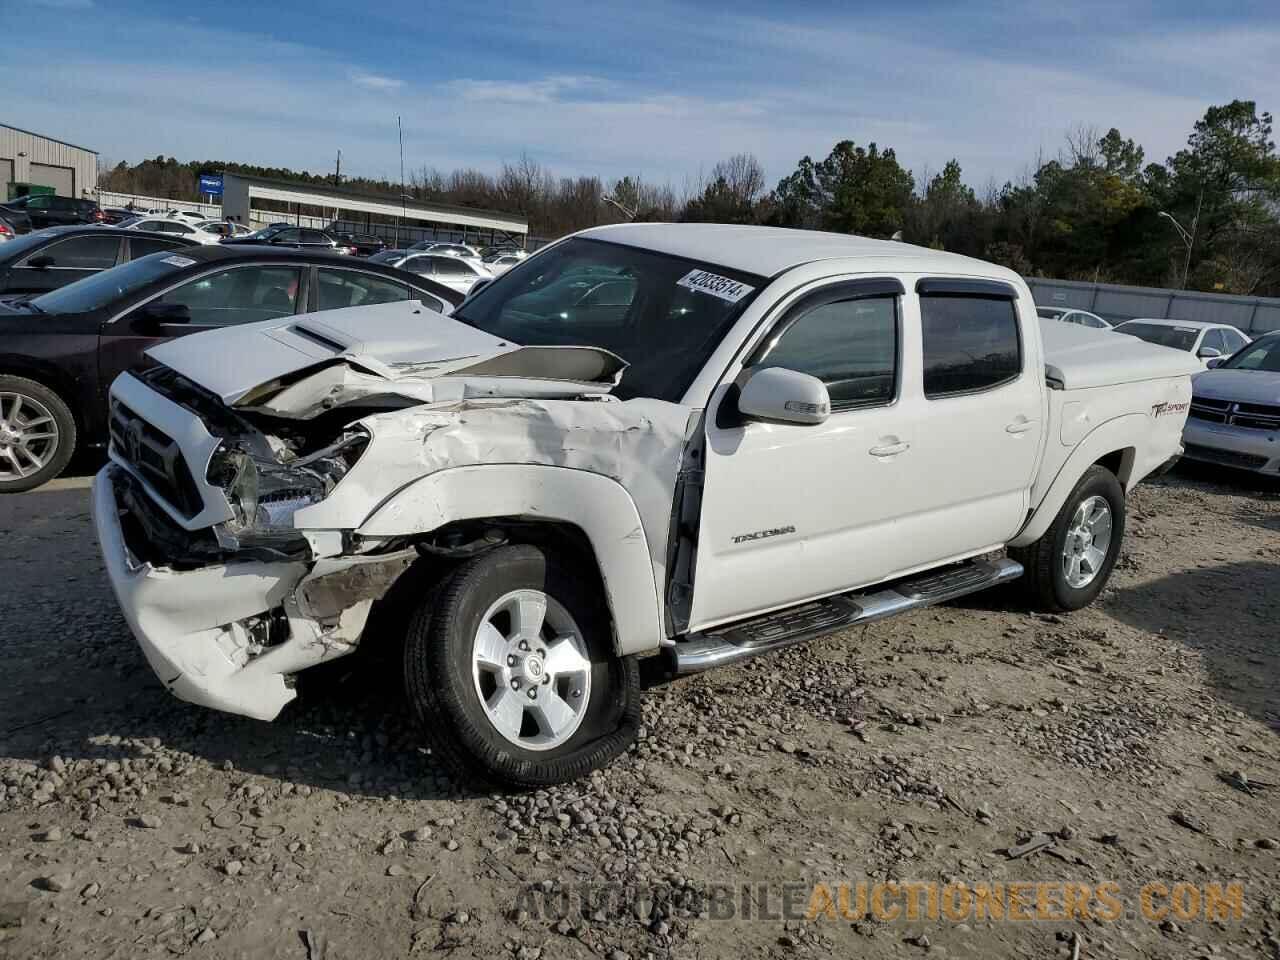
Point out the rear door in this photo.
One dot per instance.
(982, 423)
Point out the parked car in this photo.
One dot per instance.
(175, 228)
(223, 228)
(765, 472)
(115, 215)
(455, 272)
(48, 210)
(1207, 341)
(13, 224)
(284, 235)
(59, 352)
(447, 249)
(48, 259)
(1081, 318)
(364, 244)
(1235, 409)
(500, 263)
(186, 216)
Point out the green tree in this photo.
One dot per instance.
(854, 190)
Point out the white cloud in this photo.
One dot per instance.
(545, 90)
(373, 81)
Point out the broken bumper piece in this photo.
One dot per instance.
(228, 636)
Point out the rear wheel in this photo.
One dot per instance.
(37, 434)
(511, 672)
(1069, 565)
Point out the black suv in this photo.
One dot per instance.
(46, 210)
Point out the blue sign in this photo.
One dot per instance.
(211, 183)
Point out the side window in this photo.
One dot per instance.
(243, 295)
(850, 345)
(347, 288)
(1214, 339)
(450, 267)
(1234, 340)
(144, 246)
(286, 236)
(40, 202)
(420, 265)
(313, 236)
(82, 253)
(970, 343)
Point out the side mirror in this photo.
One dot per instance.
(779, 395)
(155, 315)
(479, 285)
(42, 262)
(1209, 353)
(1215, 362)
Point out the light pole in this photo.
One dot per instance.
(624, 210)
(1188, 237)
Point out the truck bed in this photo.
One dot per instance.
(1080, 357)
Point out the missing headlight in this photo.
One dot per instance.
(265, 494)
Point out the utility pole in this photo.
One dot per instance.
(337, 171)
(404, 213)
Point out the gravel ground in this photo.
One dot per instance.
(1133, 742)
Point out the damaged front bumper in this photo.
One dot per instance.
(232, 634)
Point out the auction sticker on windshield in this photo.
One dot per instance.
(704, 281)
(176, 261)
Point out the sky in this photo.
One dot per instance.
(657, 88)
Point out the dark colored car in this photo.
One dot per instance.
(59, 352)
(47, 210)
(364, 244)
(48, 259)
(116, 214)
(283, 235)
(13, 224)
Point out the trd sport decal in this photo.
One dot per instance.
(764, 534)
(1160, 409)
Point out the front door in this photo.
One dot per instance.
(58, 264)
(222, 298)
(793, 512)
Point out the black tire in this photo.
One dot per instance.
(56, 459)
(442, 692)
(1045, 580)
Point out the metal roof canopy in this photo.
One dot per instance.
(239, 191)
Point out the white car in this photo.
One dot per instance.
(186, 216)
(1206, 341)
(176, 227)
(1082, 318)
(448, 249)
(223, 228)
(500, 263)
(454, 272)
(736, 450)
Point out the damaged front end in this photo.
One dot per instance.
(217, 516)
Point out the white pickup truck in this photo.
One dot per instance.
(696, 441)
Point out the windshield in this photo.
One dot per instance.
(102, 288)
(1180, 338)
(1263, 354)
(662, 314)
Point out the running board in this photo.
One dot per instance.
(748, 638)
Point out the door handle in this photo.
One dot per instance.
(1020, 426)
(889, 449)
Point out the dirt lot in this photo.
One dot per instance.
(921, 749)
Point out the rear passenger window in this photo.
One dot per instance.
(347, 288)
(850, 345)
(970, 343)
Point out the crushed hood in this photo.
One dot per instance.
(1080, 357)
(298, 366)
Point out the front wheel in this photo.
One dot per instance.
(37, 434)
(1069, 565)
(511, 672)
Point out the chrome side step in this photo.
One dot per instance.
(747, 638)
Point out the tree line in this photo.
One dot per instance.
(1207, 218)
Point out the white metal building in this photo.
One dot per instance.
(27, 157)
(239, 193)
